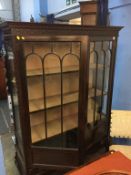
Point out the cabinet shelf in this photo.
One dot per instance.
(54, 101)
(100, 66)
(98, 93)
(54, 127)
(50, 71)
(56, 70)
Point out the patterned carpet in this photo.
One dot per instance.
(9, 154)
(4, 117)
(2, 168)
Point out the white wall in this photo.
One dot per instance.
(37, 10)
(28, 8)
(56, 6)
(120, 16)
(117, 3)
(6, 12)
(2, 166)
(43, 7)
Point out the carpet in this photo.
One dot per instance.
(2, 167)
(4, 117)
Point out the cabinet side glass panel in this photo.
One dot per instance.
(99, 69)
(52, 71)
(13, 90)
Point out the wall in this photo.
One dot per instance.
(43, 7)
(16, 10)
(37, 10)
(28, 8)
(6, 12)
(2, 166)
(120, 16)
(57, 6)
(62, 11)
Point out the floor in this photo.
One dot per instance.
(7, 150)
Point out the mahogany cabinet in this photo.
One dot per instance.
(61, 84)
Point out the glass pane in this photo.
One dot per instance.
(35, 92)
(53, 98)
(12, 88)
(52, 70)
(100, 58)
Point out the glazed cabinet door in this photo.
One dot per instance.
(53, 68)
(101, 69)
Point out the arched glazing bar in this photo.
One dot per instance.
(103, 76)
(34, 96)
(78, 58)
(45, 72)
(75, 59)
(33, 54)
(109, 56)
(106, 52)
(96, 57)
(51, 47)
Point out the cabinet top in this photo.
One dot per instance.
(23, 28)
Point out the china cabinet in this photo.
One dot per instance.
(60, 78)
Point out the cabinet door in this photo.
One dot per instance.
(52, 71)
(98, 90)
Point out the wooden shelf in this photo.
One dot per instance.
(54, 127)
(53, 70)
(100, 66)
(98, 93)
(54, 101)
(56, 70)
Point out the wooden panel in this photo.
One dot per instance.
(88, 7)
(55, 157)
(89, 19)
